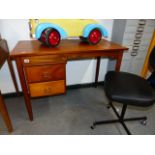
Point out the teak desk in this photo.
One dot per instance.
(42, 70)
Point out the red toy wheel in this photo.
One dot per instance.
(94, 36)
(53, 38)
(43, 37)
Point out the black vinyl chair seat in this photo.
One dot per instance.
(128, 89)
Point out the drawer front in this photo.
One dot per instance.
(45, 73)
(47, 88)
(41, 60)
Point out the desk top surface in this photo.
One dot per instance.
(34, 47)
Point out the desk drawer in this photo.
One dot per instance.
(42, 60)
(45, 73)
(47, 88)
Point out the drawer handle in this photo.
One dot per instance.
(138, 35)
(26, 61)
(47, 90)
(46, 75)
(140, 29)
(134, 53)
(142, 22)
(137, 41)
(135, 47)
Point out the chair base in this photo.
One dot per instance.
(120, 119)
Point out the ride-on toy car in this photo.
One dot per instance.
(51, 31)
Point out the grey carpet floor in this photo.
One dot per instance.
(73, 114)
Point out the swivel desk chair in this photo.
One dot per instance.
(128, 89)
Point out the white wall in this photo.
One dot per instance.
(82, 71)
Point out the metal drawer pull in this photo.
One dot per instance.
(136, 50)
(136, 41)
(142, 22)
(26, 61)
(140, 29)
(135, 47)
(46, 75)
(134, 53)
(138, 35)
(47, 90)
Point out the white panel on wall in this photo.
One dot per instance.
(12, 30)
(82, 71)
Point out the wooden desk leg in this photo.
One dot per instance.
(24, 88)
(97, 70)
(5, 115)
(118, 61)
(13, 76)
(10, 66)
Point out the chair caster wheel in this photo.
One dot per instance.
(144, 122)
(92, 127)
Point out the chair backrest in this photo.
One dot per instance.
(4, 52)
(152, 59)
(3, 57)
